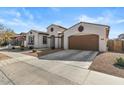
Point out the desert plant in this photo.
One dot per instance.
(22, 47)
(13, 47)
(52, 48)
(120, 61)
(34, 50)
(31, 47)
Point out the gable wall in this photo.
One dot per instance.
(55, 33)
(88, 29)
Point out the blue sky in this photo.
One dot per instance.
(23, 19)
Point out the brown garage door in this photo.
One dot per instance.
(84, 42)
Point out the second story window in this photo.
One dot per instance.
(44, 39)
(80, 28)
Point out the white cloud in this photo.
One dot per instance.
(58, 22)
(22, 25)
(104, 19)
(120, 21)
(28, 14)
(12, 13)
(18, 23)
(31, 17)
(37, 27)
(56, 9)
(18, 14)
(2, 20)
(90, 19)
(26, 24)
(107, 17)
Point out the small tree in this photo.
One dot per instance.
(5, 34)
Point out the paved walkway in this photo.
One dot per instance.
(24, 69)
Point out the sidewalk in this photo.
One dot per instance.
(77, 74)
(60, 69)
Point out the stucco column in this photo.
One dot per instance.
(65, 42)
(48, 42)
(56, 43)
(102, 44)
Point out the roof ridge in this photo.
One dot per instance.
(58, 26)
(39, 32)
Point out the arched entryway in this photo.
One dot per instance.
(52, 41)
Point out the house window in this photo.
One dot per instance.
(51, 29)
(80, 28)
(44, 39)
(31, 40)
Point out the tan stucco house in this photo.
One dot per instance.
(36, 39)
(82, 36)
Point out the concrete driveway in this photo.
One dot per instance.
(71, 55)
(78, 58)
(24, 69)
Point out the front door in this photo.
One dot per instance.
(52, 42)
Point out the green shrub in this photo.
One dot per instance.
(120, 61)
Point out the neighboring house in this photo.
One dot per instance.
(121, 36)
(82, 36)
(36, 39)
(19, 39)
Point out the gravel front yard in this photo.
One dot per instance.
(105, 63)
(3, 57)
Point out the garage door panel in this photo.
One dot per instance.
(84, 42)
